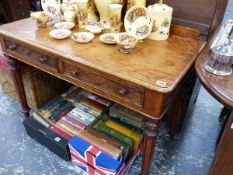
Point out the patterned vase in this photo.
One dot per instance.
(91, 12)
(132, 3)
(103, 9)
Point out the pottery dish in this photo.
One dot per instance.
(138, 22)
(108, 38)
(60, 33)
(64, 25)
(126, 42)
(51, 7)
(94, 27)
(83, 37)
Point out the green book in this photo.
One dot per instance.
(126, 142)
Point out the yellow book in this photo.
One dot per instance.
(137, 137)
(71, 130)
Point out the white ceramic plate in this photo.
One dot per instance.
(83, 37)
(64, 25)
(51, 7)
(60, 33)
(138, 22)
(108, 38)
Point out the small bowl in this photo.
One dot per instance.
(126, 42)
(60, 33)
(65, 25)
(108, 38)
(83, 37)
(40, 17)
(94, 27)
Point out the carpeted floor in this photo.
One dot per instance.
(190, 153)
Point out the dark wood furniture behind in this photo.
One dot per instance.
(131, 80)
(222, 163)
(15, 10)
(221, 88)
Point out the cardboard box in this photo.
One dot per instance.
(48, 138)
(92, 160)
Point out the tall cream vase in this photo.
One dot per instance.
(103, 9)
(92, 17)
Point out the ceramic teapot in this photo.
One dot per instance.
(69, 9)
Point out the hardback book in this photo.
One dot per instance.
(109, 149)
(136, 136)
(68, 128)
(100, 126)
(85, 117)
(106, 138)
(128, 115)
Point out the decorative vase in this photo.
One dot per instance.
(103, 9)
(162, 16)
(69, 9)
(91, 12)
(82, 12)
(132, 3)
(115, 17)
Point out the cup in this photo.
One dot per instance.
(82, 12)
(115, 17)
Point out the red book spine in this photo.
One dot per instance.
(95, 104)
(76, 121)
(76, 127)
(61, 133)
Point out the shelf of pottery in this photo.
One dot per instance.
(94, 17)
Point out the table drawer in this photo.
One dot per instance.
(128, 93)
(32, 55)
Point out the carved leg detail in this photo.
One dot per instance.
(150, 134)
(17, 79)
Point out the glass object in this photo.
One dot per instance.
(82, 12)
(220, 60)
(221, 54)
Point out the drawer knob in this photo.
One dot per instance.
(43, 59)
(74, 73)
(122, 92)
(13, 47)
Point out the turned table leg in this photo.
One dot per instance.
(17, 79)
(150, 134)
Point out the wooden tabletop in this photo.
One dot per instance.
(221, 87)
(152, 61)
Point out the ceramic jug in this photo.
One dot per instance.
(132, 3)
(162, 16)
(103, 9)
(69, 9)
(92, 17)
